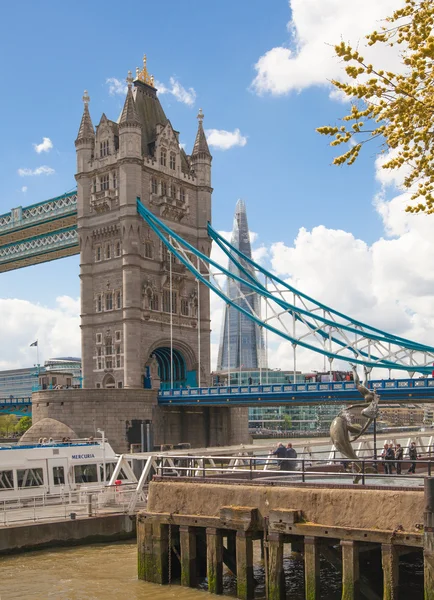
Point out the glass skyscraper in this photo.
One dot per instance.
(241, 343)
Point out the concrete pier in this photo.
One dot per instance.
(230, 517)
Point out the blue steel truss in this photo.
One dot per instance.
(390, 390)
(292, 315)
(39, 233)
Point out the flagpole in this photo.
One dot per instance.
(37, 353)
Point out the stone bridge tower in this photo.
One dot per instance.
(134, 317)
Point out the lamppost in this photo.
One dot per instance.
(103, 455)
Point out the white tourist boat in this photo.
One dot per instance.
(57, 467)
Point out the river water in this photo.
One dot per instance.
(109, 572)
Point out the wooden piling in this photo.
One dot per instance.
(350, 570)
(276, 576)
(187, 538)
(214, 554)
(244, 556)
(311, 568)
(390, 561)
(160, 548)
(428, 539)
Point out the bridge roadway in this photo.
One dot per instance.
(402, 391)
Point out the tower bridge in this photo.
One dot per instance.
(141, 221)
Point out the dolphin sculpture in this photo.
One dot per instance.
(343, 426)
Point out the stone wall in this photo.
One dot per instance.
(116, 412)
(372, 509)
(119, 414)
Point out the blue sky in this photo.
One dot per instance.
(249, 72)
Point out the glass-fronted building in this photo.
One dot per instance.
(19, 383)
(241, 343)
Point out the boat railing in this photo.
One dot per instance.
(85, 501)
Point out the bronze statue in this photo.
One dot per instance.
(343, 426)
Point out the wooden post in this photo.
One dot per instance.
(428, 539)
(311, 568)
(244, 552)
(187, 538)
(160, 542)
(276, 576)
(145, 551)
(350, 570)
(390, 560)
(214, 562)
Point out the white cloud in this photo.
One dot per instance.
(177, 91)
(56, 329)
(44, 170)
(223, 140)
(24, 189)
(116, 86)
(45, 146)
(316, 27)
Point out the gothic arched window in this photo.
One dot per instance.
(172, 163)
(154, 185)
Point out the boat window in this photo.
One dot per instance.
(109, 470)
(6, 480)
(58, 475)
(85, 474)
(30, 478)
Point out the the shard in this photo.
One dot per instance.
(241, 343)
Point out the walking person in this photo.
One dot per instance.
(399, 453)
(412, 453)
(390, 457)
(280, 453)
(291, 453)
(383, 458)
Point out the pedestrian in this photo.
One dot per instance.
(291, 453)
(390, 457)
(280, 452)
(387, 455)
(399, 453)
(412, 453)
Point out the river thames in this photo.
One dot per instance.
(109, 572)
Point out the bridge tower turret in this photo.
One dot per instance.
(140, 315)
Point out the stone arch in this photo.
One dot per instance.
(108, 381)
(184, 364)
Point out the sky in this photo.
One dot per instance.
(261, 72)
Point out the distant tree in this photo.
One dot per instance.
(287, 422)
(395, 107)
(23, 424)
(7, 424)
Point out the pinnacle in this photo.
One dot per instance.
(200, 145)
(86, 129)
(129, 113)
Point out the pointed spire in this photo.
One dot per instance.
(86, 130)
(200, 145)
(129, 113)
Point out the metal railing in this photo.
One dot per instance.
(66, 505)
(367, 471)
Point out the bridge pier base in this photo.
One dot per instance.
(390, 561)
